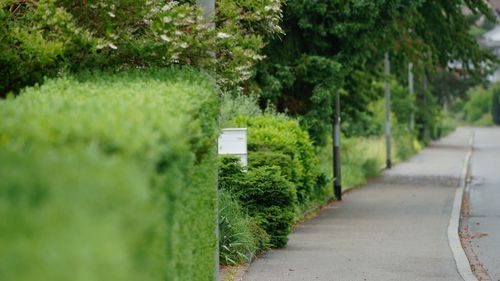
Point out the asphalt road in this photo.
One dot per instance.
(394, 228)
(484, 192)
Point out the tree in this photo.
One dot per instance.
(337, 44)
(50, 37)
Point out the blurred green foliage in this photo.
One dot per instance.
(110, 177)
(333, 46)
(478, 106)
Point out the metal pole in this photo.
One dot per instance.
(387, 71)
(427, 132)
(208, 7)
(337, 179)
(411, 90)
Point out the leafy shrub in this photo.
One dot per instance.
(47, 37)
(403, 143)
(265, 194)
(269, 158)
(234, 106)
(160, 129)
(360, 158)
(270, 198)
(371, 167)
(281, 135)
(231, 172)
(402, 106)
(36, 38)
(479, 104)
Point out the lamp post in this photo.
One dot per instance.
(387, 71)
(337, 180)
(208, 7)
(411, 90)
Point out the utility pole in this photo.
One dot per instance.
(425, 82)
(387, 72)
(337, 179)
(208, 7)
(411, 90)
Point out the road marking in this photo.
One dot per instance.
(463, 265)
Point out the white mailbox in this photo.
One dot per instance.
(233, 141)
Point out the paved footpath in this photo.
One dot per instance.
(394, 228)
(484, 216)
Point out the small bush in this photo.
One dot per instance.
(478, 105)
(403, 143)
(371, 167)
(269, 158)
(265, 194)
(281, 135)
(270, 198)
(233, 107)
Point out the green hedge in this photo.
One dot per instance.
(109, 177)
(283, 178)
(280, 141)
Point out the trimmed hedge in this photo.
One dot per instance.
(110, 177)
(279, 140)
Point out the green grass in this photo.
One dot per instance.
(238, 237)
(363, 158)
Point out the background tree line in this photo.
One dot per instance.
(293, 54)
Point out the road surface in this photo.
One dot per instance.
(484, 194)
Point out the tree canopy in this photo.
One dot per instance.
(338, 44)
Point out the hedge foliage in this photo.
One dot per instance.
(283, 178)
(265, 194)
(109, 177)
(280, 141)
(478, 106)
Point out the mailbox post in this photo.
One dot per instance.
(233, 141)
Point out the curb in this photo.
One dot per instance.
(461, 260)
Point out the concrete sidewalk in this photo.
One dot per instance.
(394, 228)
